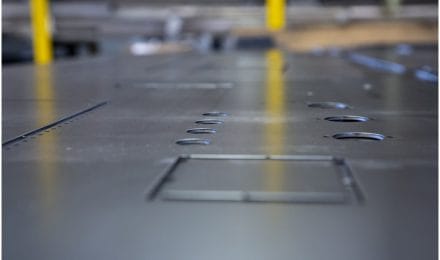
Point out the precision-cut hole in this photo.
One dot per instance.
(359, 136)
(215, 113)
(347, 118)
(190, 141)
(201, 131)
(327, 105)
(209, 122)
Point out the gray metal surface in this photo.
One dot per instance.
(78, 190)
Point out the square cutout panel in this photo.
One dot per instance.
(257, 178)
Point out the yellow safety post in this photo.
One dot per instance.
(41, 27)
(275, 14)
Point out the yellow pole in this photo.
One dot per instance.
(42, 38)
(275, 14)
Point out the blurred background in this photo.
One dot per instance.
(86, 28)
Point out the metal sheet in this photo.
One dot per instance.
(78, 191)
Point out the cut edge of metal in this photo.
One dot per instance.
(159, 181)
(348, 181)
(258, 157)
(255, 196)
(351, 183)
(53, 124)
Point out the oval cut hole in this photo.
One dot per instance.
(359, 136)
(347, 119)
(190, 141)
(215, 113)
(209, 122)
(201, 131)
(329, 105)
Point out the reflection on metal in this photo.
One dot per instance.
(328, 105)
(426, 74)
(47, 145)
(42, 38)
(377, 64)
(275, 109)
(275, 14)
(44, 91)
(404, 49)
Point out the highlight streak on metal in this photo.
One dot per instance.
(275, 14)
(274, 131)
(377, 64)
(426, 75)
(46, 146)
(41, 26)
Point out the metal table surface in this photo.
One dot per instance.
(82, 183)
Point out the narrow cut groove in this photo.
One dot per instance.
(51, 125)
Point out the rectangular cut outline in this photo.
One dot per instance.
(351, 194)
